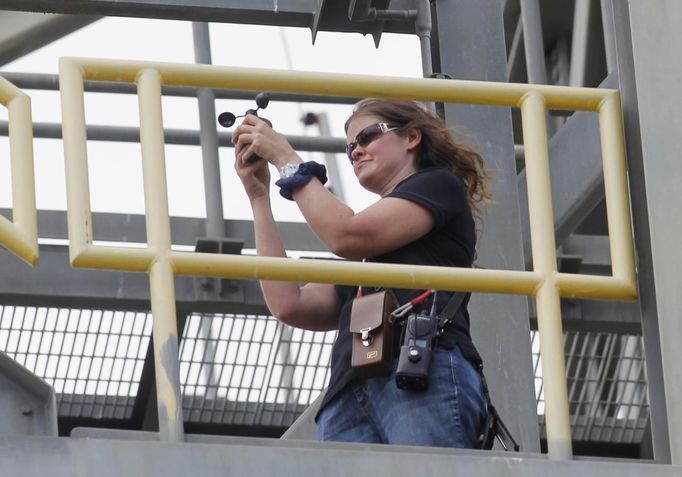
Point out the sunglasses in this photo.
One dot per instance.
(368, 135)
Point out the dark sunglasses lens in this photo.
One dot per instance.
(364, 137)
(349, 151)
(368, 135)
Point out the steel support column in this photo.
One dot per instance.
(507, 350)
(423, 26)
(609, 35)
(646, 40)
(581, 20)
(209, 138)
(532, 41)
(330, 159)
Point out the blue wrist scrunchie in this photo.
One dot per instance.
(301, 177)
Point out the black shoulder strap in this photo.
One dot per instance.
(453, 305)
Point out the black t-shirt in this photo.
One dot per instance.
(450, 243)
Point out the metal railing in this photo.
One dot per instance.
(21, 234)
(163, 264)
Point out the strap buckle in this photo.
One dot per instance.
(365, 336)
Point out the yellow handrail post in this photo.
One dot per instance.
(541, 219)
(75, 156)
(21, 234)
(23, 192)
(162, 288)
(616, 191)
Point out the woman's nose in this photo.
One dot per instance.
(357, 153)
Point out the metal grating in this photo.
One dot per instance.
(607, 387)
(92, 358)
(250, 369)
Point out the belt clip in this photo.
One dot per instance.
(366, 337)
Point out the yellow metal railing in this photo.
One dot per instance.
(162, 263)
(21, 234)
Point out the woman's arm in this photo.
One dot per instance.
(385, 226)
(314, 306)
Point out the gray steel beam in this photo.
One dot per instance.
(322, 122)
(315, 14)
(176, 136)
(532, 41)
(49, 82)
(579, 45)
(647, 40)
(242, 414)
(516, 70)
(499, 324)
(587, 45)
(208, 136)
(54, 283)
(22, 33)
(609, 34)
(210, 456)
(184, 230)
(598, 317)
(590, 254)
(423, 27)
(215, 221)
(284, 12)
(27, 403)
(593, 250)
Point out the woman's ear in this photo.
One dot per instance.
(414, 138)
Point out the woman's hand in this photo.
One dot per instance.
(255, 137)
(255, 177)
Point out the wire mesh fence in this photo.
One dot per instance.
(92, 358)
(607, 387)
(252, 370)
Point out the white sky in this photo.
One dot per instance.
(115, 168)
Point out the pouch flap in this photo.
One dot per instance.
(368, 311)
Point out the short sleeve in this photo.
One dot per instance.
(438, 190)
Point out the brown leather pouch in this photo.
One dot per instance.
(372, 330)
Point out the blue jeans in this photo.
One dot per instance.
(449, 413)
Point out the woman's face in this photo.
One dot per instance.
(383, 161)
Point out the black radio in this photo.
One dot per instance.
(415, 353)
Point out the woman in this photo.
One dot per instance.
(428, 187)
